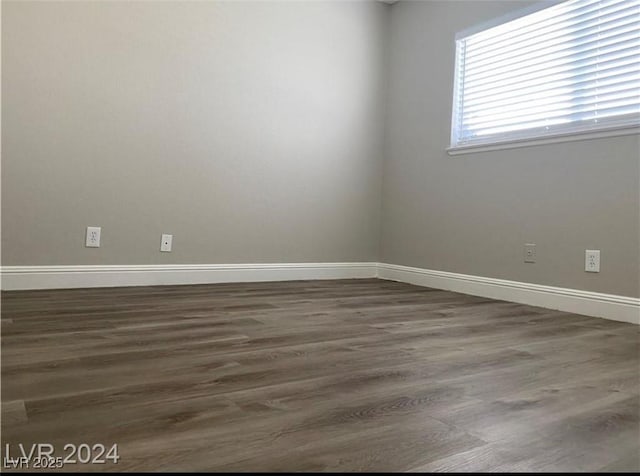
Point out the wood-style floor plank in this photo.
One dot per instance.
(344, 375)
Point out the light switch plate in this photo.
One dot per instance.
(165, 244)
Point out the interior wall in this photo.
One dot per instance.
(255, 132)
(473, 213)
(251, 131)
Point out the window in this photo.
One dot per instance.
(567, 69)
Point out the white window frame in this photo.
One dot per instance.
(515, 142)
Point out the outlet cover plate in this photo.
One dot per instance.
(592, 261)
(92, 239)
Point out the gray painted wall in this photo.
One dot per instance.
(252, 131)
(473, 213)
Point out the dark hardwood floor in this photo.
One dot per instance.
(349, 375)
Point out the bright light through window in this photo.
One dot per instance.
(570, 68)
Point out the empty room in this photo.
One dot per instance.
(320, 236)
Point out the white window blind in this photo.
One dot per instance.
(569, 68)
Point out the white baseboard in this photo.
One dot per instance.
(62, 277)
(608, 306)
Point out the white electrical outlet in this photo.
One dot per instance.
(165, 244)
(592, 261)
(93, 237)
(530, 253)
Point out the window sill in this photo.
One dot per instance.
(568, 137)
